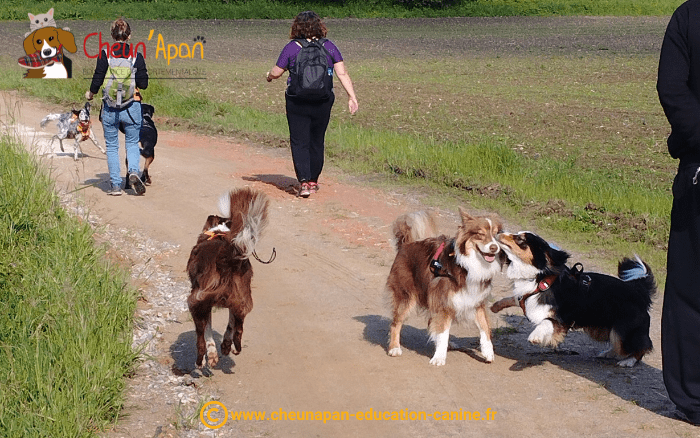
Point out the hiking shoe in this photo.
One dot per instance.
(115, 190)
(145, 177)
(304, 190)
(313, 187)
(137, 184)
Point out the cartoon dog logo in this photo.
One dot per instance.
(44, 53)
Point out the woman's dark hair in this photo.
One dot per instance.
(121, 31)
(308, 25)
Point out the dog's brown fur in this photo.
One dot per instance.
(220, 271)
(457, 292)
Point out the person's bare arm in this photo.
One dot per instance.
(275, 73)
(344, 78)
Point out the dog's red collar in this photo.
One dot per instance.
(545, 283)
(542, 286)
(435, 266)
(439, 251)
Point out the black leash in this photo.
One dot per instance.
(272, 257)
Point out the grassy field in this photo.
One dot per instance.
(554, 122)
(66, 315)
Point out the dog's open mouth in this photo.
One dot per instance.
(488, 257)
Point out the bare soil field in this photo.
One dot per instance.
(316, 338)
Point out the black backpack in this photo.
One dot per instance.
(311, 76)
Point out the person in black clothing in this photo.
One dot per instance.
(308, 119)
(123, 109)
(678, 86)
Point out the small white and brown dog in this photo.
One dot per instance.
(450, 278)
(76, 125)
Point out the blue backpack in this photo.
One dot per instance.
(311, 78)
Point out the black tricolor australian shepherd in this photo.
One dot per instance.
(450, 278)
(557, 298)
(220, 271)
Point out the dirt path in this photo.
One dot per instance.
(315, 340)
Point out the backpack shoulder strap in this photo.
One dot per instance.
(321, 42)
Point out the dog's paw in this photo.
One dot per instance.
(503, 304)
(438, 361)
(542, 334)
(212, 359)
(629, 362)
(394, 352)
(487, 351)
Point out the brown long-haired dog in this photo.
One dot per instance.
(450, 278)
(220, 271)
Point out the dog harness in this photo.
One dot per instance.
(84, 129)
(435, 266)
(214, 234)
(542, 286)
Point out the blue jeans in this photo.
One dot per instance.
(130, 117)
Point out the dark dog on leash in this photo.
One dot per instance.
(148, 137)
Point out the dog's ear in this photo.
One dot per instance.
(67, 40)
(87, 107)
(29, 44)
(466, 217)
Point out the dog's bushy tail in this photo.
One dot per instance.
(247, 209)
(639, 272)
(48, 118)
(411, 227)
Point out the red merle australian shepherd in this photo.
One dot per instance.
(450, 278)
(557, 298)
(220, 271)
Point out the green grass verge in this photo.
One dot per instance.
(66, 315)
(286, 9)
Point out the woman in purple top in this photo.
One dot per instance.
(308, 119)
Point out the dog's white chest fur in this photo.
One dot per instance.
(466, 300)
(478, 287)
(55, 71)
(523, 275)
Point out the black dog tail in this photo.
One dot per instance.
(639, 272)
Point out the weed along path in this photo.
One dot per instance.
(314, 361)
